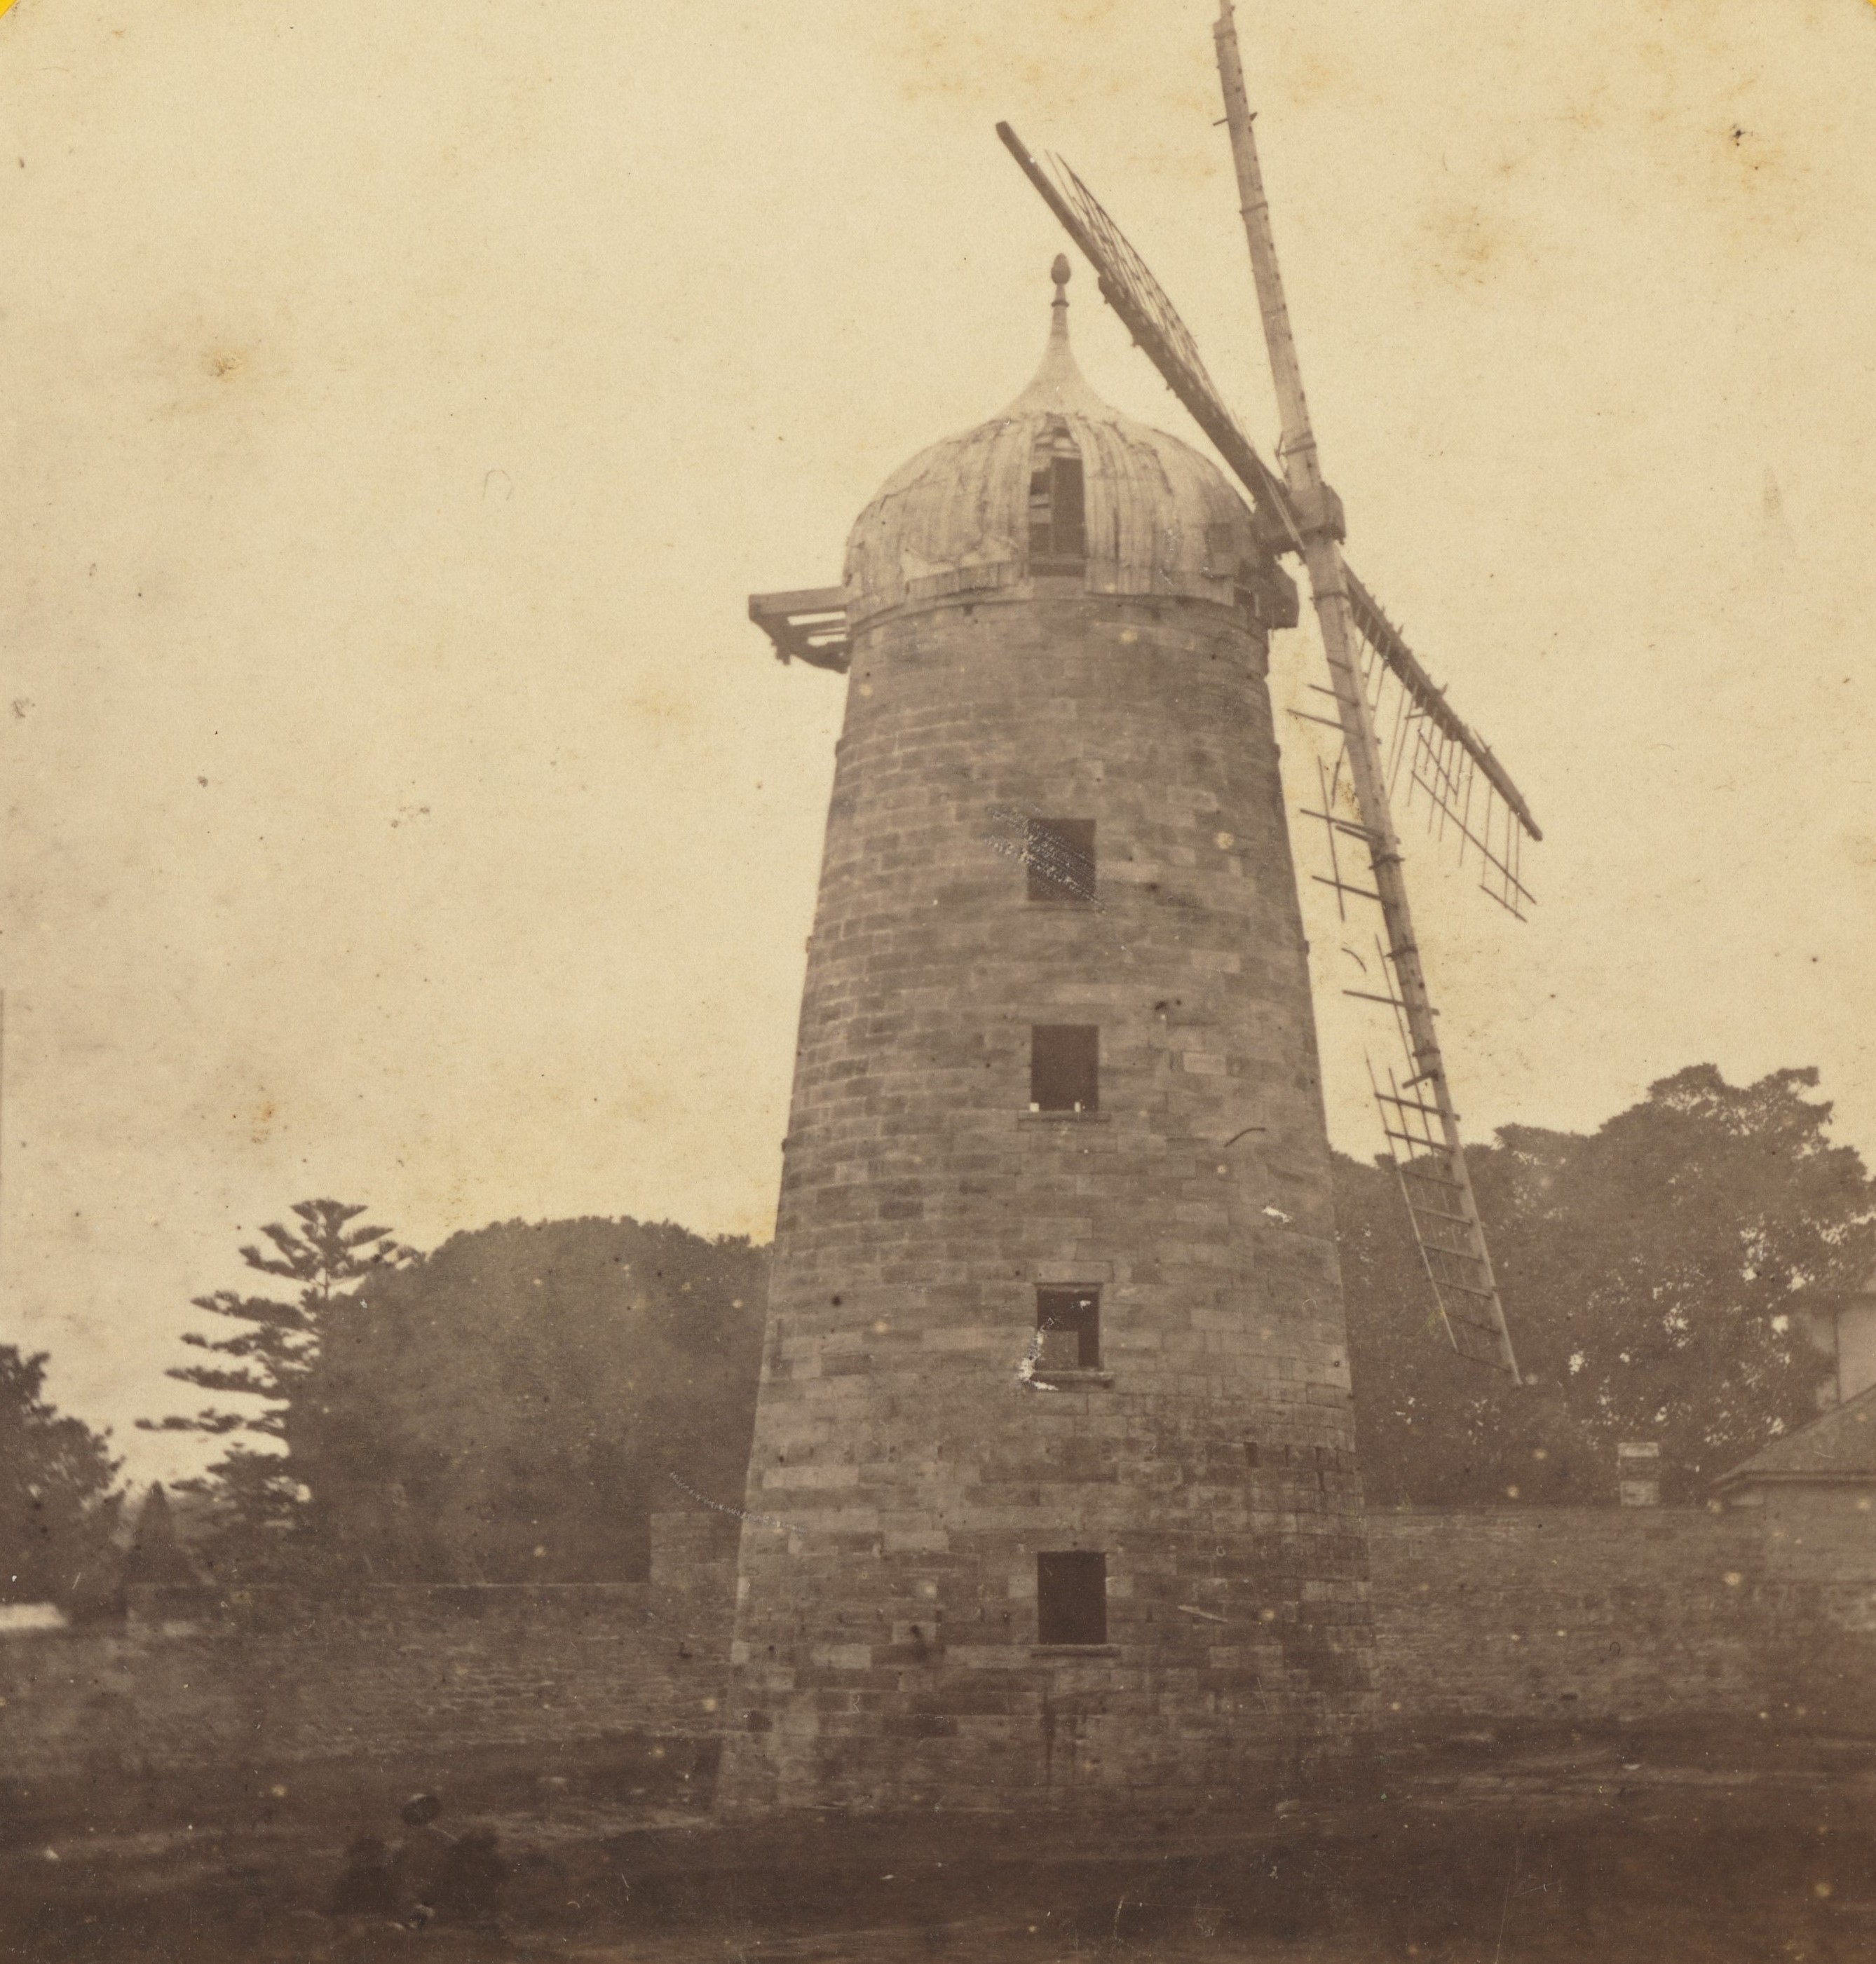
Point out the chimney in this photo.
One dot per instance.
(1638, 1472)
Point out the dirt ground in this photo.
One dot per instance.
(1474, 1851)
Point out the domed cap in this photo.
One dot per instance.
(1061, 486)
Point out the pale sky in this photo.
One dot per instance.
(401, 401)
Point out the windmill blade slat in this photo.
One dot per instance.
(1477, 1342)
(1128, 286)
(1427, 695)
(1300, 512)
(1428, 1128)
(1435, 1214)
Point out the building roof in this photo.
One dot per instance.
(1840, 1445)
(1161, 518)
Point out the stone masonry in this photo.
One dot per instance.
(911, 1463)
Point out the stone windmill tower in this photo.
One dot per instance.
(1053, 1498)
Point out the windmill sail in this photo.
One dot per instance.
(1455, 756)
(1376, 682)
(1421, 1126)
(1432, 760)
(1128, 286)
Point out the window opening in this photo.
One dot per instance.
(1064, 1067)
(1071, 1599)
(1057, 506)
(1067, 1329)
(1059, 855)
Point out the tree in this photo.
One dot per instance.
(1658, 1274)
(265, 1495)
(515, 1407)
(58, 1501)
(1431, 1430)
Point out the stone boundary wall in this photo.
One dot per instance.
(1594, 1616)
(1819, 1547)
(266, 1678)
(274, 1677)
(1570, 1614)
(1482, 1618)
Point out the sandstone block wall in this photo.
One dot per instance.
(1468, 1609)
(1641, 1614)
(1557, 1614)
(270, 1679)
(1820, 1545)
(274, 1677)
(905, 1475)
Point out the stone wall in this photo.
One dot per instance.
(1555, 1613)
(268, 1676)
(1480, 1619)
(1820, 1544)
(1633, 1614)
(277, 1677)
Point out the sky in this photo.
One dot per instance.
(401, 402)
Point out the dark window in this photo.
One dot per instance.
(1068, 1329)
(1249, 1452)
(1059, 853)
(1064, 1062)
(1057, 514)
(1071, 1599)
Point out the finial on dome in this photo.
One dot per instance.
(1058, 388)
(1058, 312)
(1059, 319)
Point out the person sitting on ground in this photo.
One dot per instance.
(365, 1888)
(469, 1891)
(422, 1861)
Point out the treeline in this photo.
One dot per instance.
(511, 1408)
(515, 1405)
(1659, 1276)
(60, 1499)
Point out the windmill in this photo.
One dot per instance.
(1376, 683)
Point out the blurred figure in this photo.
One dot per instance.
(422, 1861)
(470, 1889)
(365, 1887)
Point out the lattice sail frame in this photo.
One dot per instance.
(1438, 1190)
(1429, 764)
(1444, 762)
(1418, 1120)
(1128, 286)
(1451, 760)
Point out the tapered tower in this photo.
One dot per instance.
(1053, 1499)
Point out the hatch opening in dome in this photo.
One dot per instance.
(1058, 505)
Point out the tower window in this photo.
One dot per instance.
(1065, 1068)
(1068, 1329)
(1059, 855)
(1058, 511)
(1071, 1599)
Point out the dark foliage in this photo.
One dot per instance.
(514, 1406)
(261, 1497)
(59, 1501)
(1658, 1274)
